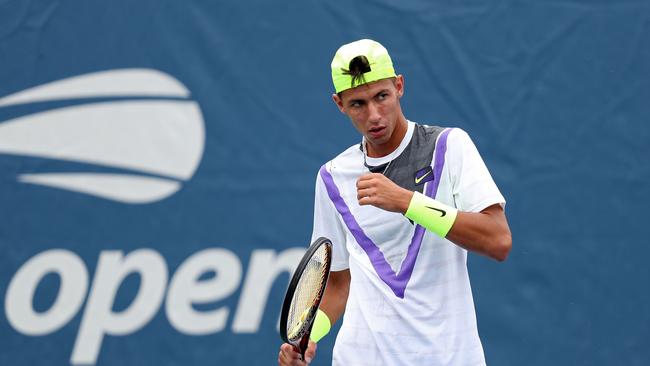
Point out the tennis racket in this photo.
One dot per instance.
(304, 294)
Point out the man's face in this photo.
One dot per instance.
(374, 109)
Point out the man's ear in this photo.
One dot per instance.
(339, 103)
(399, 85)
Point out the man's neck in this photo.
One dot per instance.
(377, 151)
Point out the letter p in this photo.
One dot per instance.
(99, 319)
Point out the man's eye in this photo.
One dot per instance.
(382, 96)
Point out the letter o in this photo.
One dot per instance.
(20, 293)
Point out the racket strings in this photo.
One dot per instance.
(307, 293)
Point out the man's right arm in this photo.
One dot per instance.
(336, 295)
(327, 224)
(333, 305)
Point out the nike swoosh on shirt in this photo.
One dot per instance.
(442, 212)
(419, 179)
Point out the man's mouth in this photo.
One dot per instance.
(376, 131)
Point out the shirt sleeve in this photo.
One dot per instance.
(472, 185)
(327, 224)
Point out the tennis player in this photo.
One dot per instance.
(402, 209)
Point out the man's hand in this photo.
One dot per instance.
(289, 357)
(377, 190)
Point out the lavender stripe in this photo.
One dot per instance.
(438, 163)
(396, 281)
(408, 264)
(376, 257)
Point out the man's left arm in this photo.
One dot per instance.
(485, 232)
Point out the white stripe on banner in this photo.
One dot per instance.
(118, 187)
(111, 83)
(163, 137)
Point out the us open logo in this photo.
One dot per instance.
(151, 135)
(132, 136)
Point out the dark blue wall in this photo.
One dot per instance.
(554, 93)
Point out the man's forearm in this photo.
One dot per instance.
(336, 295)
(484, 232)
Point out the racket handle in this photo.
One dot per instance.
(304, 343)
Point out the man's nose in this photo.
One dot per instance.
(373, 112)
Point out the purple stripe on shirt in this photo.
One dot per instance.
(396, 281)
(438, 163)
(376, 257)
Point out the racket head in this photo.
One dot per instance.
(304, 294)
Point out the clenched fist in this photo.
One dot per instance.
(377, 190)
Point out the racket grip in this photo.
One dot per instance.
(304, 343)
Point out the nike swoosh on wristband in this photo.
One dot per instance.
(442, 212)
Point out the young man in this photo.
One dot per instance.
(402, 209)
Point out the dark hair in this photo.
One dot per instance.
(358, 66)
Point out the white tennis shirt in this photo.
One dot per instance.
(410, 300)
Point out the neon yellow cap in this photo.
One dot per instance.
(380, 64)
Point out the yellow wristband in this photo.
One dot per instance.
(321, 326)
(435, 216)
